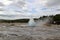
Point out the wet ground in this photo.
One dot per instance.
(21, 31)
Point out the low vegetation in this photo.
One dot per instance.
(56, 19)
(53, 19)
(15, 21)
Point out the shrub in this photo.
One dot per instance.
(56, 19)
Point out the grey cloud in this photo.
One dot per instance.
(20, 3)
(1, 4)
(53, 2)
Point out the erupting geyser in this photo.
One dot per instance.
(31, 22)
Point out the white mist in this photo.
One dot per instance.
(31, 22)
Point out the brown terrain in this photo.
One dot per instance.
(21, 31)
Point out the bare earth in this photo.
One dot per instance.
(21, 31)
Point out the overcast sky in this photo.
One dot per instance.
(31, 7)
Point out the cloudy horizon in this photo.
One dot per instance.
(28, 8)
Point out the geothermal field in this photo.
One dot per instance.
(22, 31)
(33, 11)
